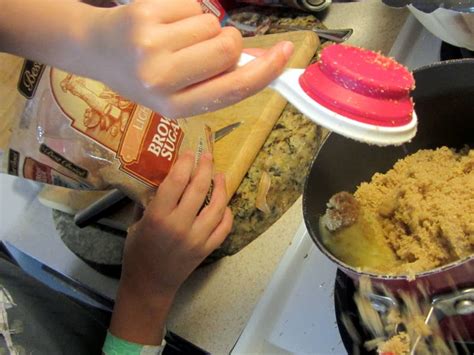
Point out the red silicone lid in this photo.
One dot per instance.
(362, 85)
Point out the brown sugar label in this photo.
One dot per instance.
(30, 78)
(61, 160)
(152, 158)
(93, 108)
(146, 143)
(13, 162)
(34, 170)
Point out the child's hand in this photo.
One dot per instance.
(163, 54)
(172, 58)
(166, 245)
(175, 235)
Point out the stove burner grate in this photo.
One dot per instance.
(344, 291)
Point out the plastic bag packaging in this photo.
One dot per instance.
(215, 7)
(77, 133)
(70, 131)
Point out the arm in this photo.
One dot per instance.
(140, 318)
(164, 54)
(166, 245)
(49, 31)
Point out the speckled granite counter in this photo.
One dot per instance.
(214, 305)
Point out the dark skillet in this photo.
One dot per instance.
(444, 102)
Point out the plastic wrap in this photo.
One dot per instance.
(71, 131)
(76, 132)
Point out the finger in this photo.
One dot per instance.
(234, 86)
(190, 31)
(212, 214)
(171, 189)
(209, 58)
(195, 194)
(221, 232)
(168, 11)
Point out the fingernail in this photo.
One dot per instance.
(287, 48)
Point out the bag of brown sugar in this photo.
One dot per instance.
(66, 130)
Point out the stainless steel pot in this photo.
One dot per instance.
(443, 98)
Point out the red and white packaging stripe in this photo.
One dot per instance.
(214, 7)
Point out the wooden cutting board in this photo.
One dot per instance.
(235, 153)
(10, 67)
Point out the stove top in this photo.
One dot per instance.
(299, 310)
(345, 307)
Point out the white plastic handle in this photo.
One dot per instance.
(245, 59)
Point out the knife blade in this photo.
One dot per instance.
(116, 199)
(221, 133)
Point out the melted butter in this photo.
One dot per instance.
(361, 245)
